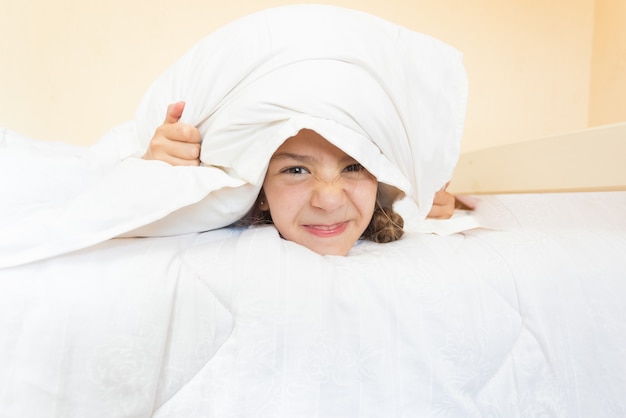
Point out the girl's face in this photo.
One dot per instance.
(317, 195)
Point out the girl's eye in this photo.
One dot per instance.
(295, 170)
(353, 168)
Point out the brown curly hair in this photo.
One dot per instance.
(385, 226)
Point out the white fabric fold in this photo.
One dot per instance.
(391, 98)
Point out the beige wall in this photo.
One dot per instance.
(73, 69)
(608, 74)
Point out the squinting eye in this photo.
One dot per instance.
(353, 168)
(295, 170)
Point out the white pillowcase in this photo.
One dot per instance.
(391, 98)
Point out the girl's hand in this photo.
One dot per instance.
(175, 142)
(443, 205)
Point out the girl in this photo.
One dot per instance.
(314, 193)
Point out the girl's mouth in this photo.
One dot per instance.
(326, 231)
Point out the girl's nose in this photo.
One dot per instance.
(328, 196)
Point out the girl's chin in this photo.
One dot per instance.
(327, 248)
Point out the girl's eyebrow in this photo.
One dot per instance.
(297, 157)
(306, 158)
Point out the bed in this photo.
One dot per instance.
(113, 304)
(523, 316)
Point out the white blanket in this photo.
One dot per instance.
(391, 98)
(523, 321)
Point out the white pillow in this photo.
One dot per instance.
(391, 98)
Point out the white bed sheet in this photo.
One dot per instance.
(524, 320)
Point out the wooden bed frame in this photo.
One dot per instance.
(593, 159)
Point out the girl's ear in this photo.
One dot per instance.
(262, 202)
